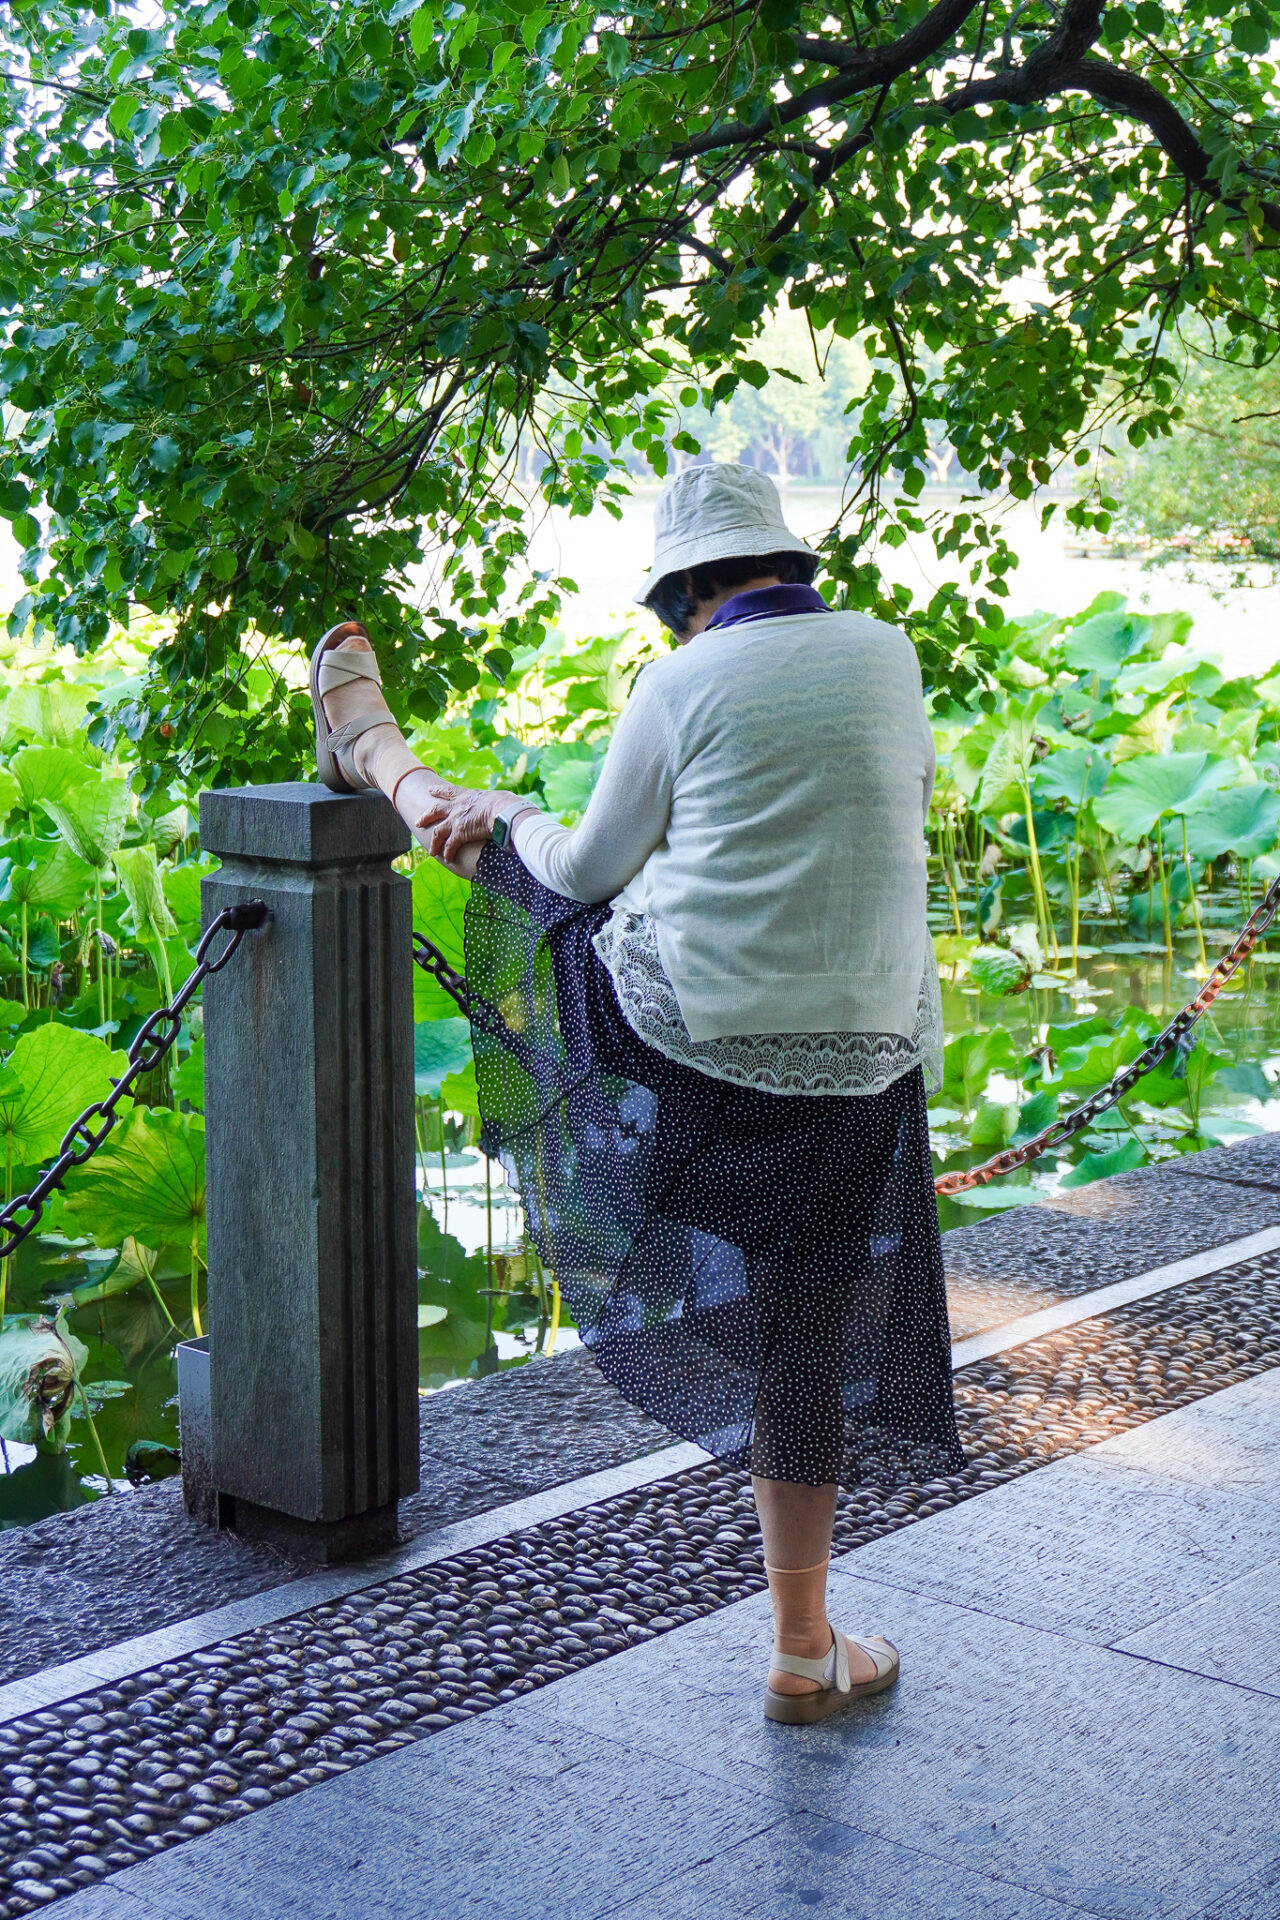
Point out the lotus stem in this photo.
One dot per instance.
(1164, 894)
(555, 1317)
(1048, 931)
(97, 1442)
(160, 1302)
(97, 913)
(1195, 904)
(195, 1286)
(26, 992)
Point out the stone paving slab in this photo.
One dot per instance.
(1115, 1538)
(530, 1825)
(799, 1865)
(1021, 1768)
(1251, 1162)
(1230, 1634)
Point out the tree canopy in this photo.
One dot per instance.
(285, 278)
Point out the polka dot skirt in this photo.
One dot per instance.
(761, 1274)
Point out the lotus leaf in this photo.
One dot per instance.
(997, 970)
(54, 878)
(140, 877)
(568, 772)
(1099, 1165)
(39, 1364)
(970, 1059)
(182, 891)
(188, 1081)
(440, 1048)
(1241, 820)
(431, 1316)
(994, 1124)
(53, 1073)
(45, 773)
(1098, 1060)
(148, 1182)
(1035, 1114)
(1102, 645)
(439, 902)
(1005, 770)
(44, 949)
(1142, 791)
(1180, 667)
(92, 817)
(10, 793)
(52, 711)
(1069, 774)
(458, 1093)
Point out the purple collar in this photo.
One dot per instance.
(766, 603)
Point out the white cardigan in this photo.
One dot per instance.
(762, 801)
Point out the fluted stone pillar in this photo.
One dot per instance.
(312, 1319)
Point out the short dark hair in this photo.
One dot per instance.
(676, 596)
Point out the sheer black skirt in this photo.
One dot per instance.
(761, 1272)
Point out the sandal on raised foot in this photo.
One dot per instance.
(838, 1691)
(328, 671)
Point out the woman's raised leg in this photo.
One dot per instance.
(382, 757)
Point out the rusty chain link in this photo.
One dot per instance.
(1183, 1021)
(151, 1043)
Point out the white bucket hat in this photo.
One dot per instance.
(716, 513)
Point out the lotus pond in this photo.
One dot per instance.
(1106, 811)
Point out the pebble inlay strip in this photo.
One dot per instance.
(111, 1777)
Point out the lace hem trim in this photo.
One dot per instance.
(797, 1063)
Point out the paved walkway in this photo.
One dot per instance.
(1088, 1722)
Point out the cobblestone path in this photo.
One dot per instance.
(114, 1776)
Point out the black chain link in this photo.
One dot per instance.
(151, 1043)
(432, 961)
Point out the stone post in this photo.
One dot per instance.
(313, 1348)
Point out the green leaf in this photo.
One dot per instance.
(45, 773)
(1141, 791)
(1129, 1155)
(994, 1124)
(1103, 644)
(55, 880)
(188, 1081)
(970, 1059)
(53, 1073)
(39, 1362)
(165, 453)
(439, 903)
(1035, 1114)
(92, 817)
(422, 29)
(997, 970)
(1241, 820)
(440, 1048)
(147, 1182)
(140, 878)
(458, 1092)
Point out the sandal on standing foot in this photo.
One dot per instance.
(330, 670)
(838, 1691)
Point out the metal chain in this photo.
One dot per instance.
(151, 1043)
(432, 961)
(1183, 1021)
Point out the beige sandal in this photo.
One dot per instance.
(330, 670)
(838, 1691)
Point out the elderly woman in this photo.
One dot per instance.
(705, 1023)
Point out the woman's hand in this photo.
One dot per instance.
(456, 824)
